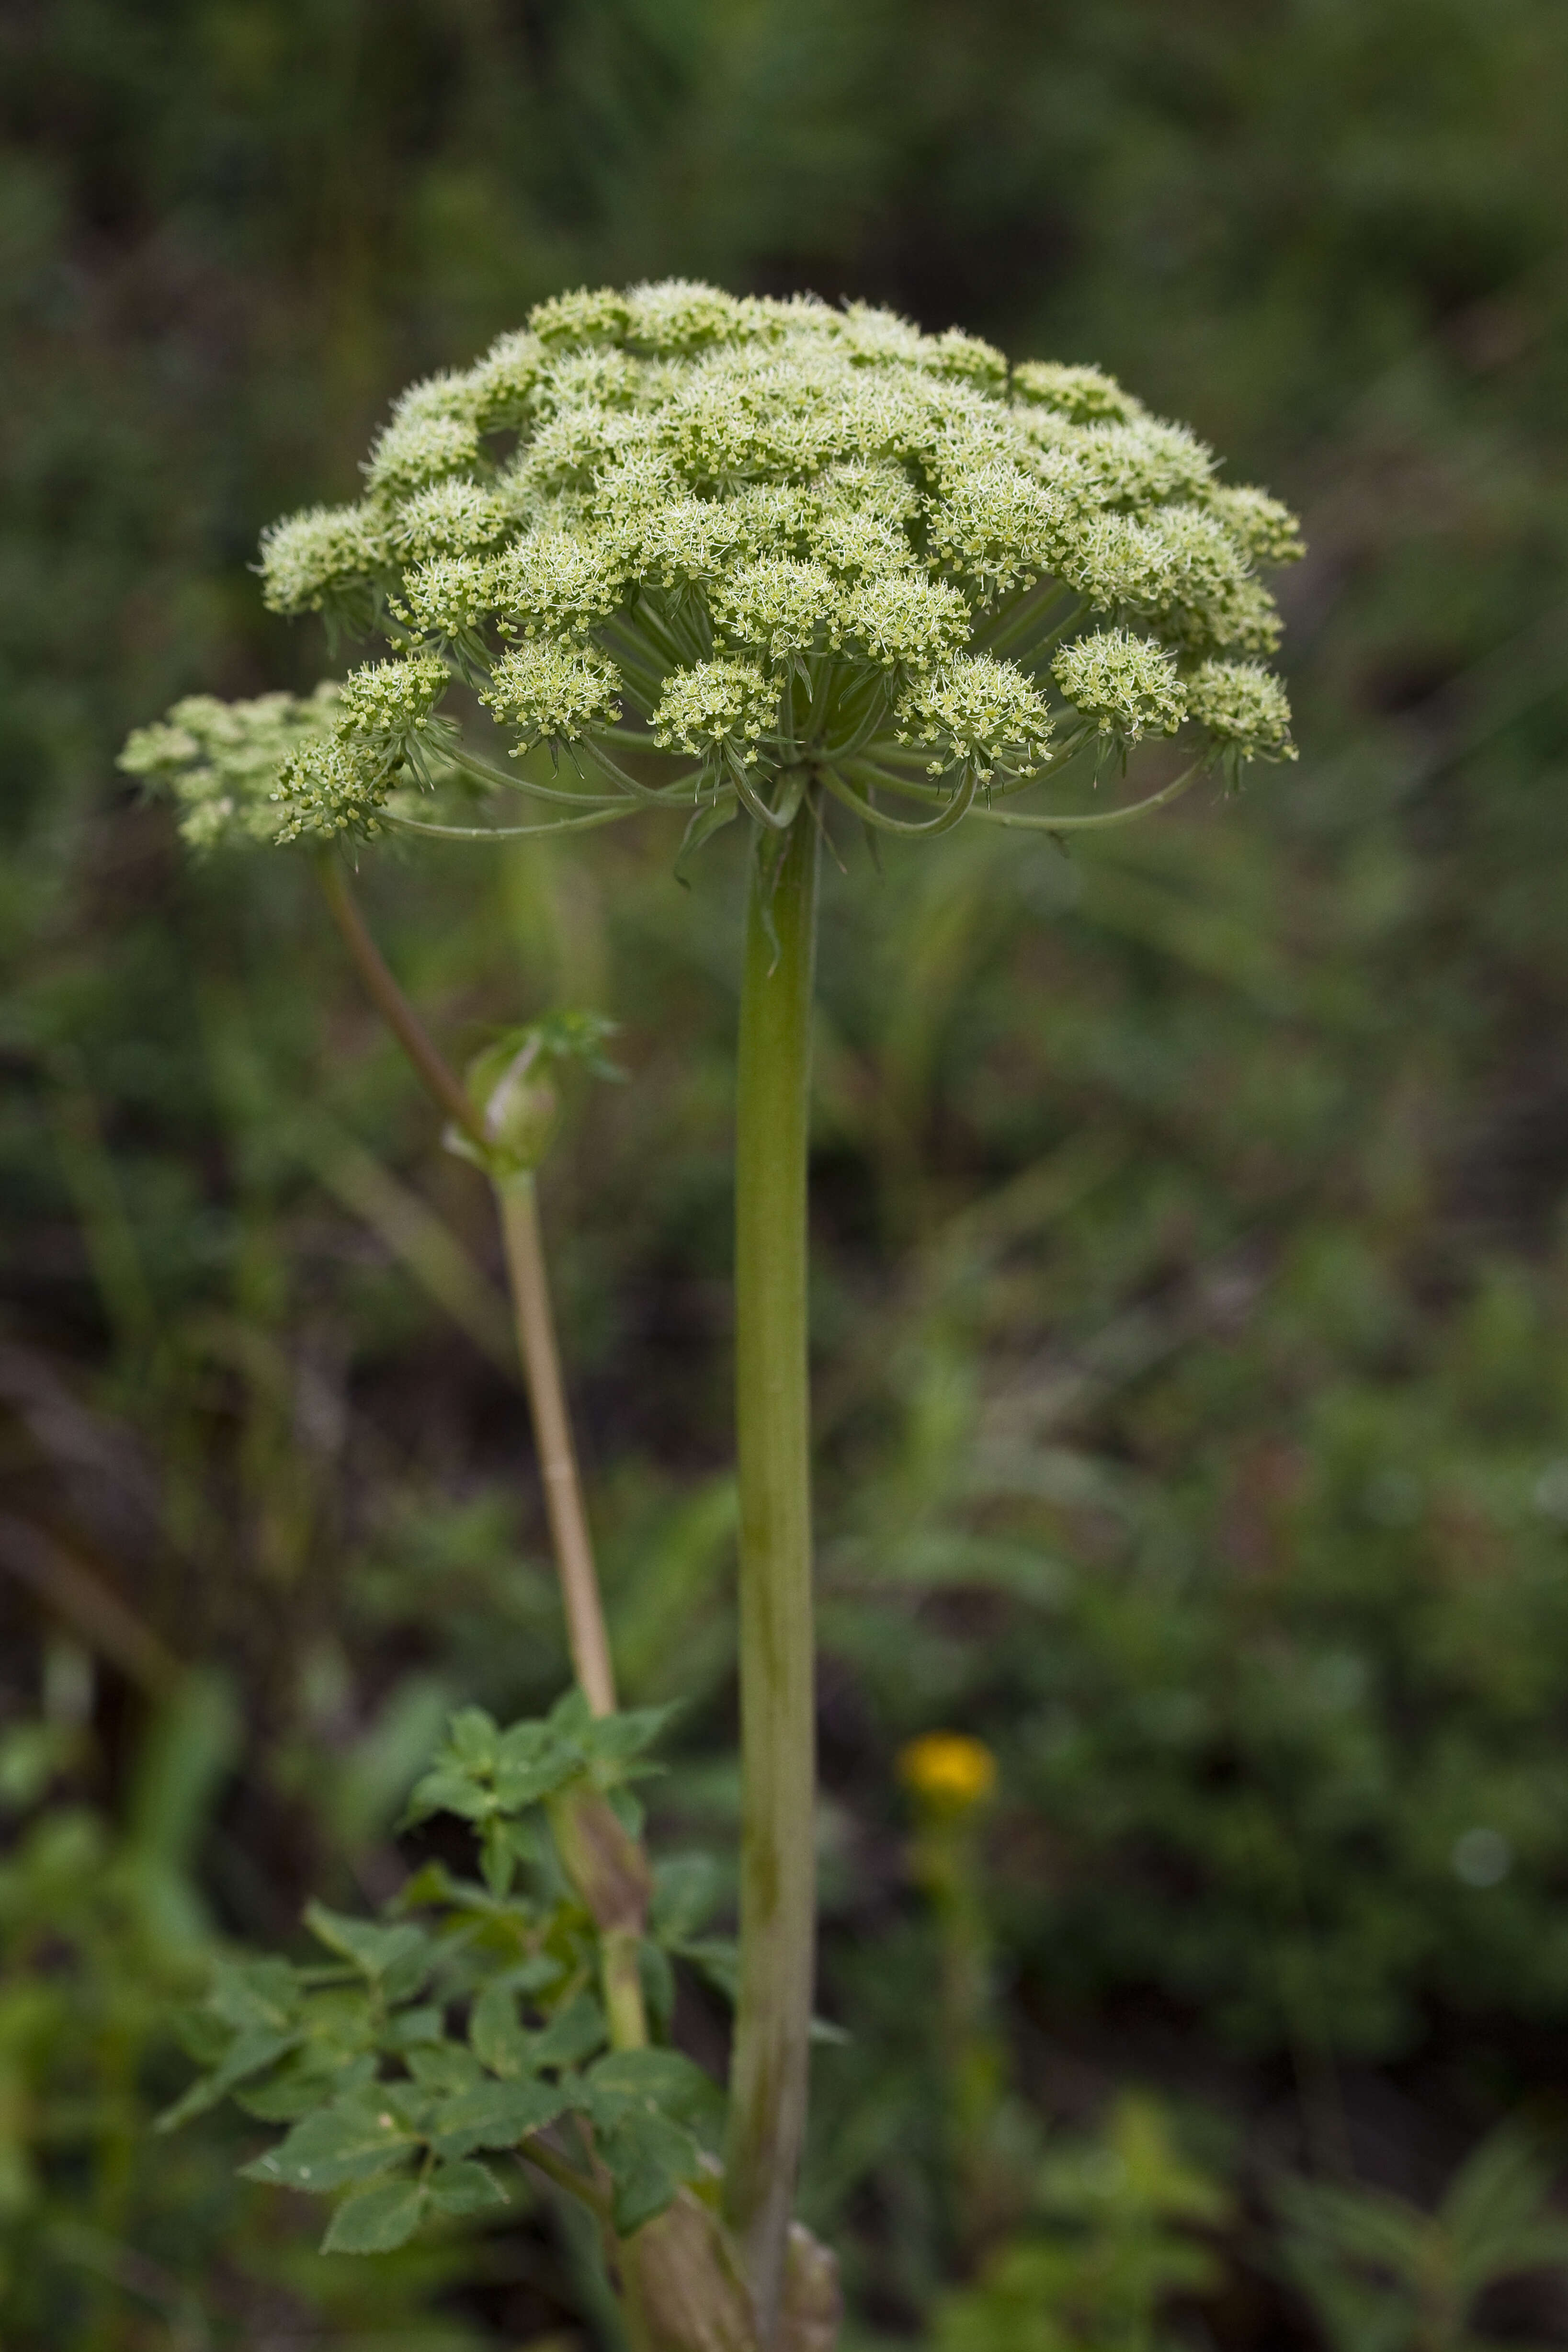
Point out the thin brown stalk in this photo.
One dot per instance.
(553, 1432)
(519, 1211)
(438, 1077)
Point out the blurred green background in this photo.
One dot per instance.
(1191, 1278)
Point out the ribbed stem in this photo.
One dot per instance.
(778, 1890)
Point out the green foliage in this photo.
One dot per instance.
(470, 2022)
(1383, 2276)
(1121, 2208)
(103, 1936)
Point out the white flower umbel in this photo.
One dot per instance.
(800, 551)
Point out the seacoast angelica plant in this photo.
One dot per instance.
(778, 546)
(728, 558)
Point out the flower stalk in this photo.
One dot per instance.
(517, 1208)
(585, 1634)
(778, 1894)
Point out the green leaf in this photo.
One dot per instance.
(377, 2220)
(496, 2114)
(574, 2033)
(202, 2035)
(465, 2187)
(249, 2053)
(446, 1790)
(615, 1738)
(397, 1959)
(627, 1807)
(412, 2027)
(431, 1883)
(358, 2133)
(472, 1739)
(497, 2033)
(444, 2067)
(648, 2159)
(571, 1718)
(661, 2080)
(686, 1891)
(257, 1994)
(531, 1762)
(303, 2083)
(658, 1988)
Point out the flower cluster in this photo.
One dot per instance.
(220, 762)
(776, 539)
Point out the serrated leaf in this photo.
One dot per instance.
(519, 1785)
(495, 2115)
(465, 2187)
(257, 1994)
(657, 1986)
(628, 1808)
(662, 2081)
(412, 2027)
(431, 1883)
(571, 1717)
(444, 2067)
(615, 1738)
(531, 1761)
(686, 1892)
(497, 2033)
(377, 2220)
(248, 2053)
(446, 1790)
(397, 1959)
(648, 2159)
(342, 2020)
(358, 2133)
(472, 1739)
(573, 2034)
(202, 2035)
(295, 2091)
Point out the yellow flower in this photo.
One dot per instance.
(947, 1771)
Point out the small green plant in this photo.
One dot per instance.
(104, 1940)
(669, 551)
(1114, 2241)
(1382, 2275)
(359, 2055)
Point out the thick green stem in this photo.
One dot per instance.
(778, 1893)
